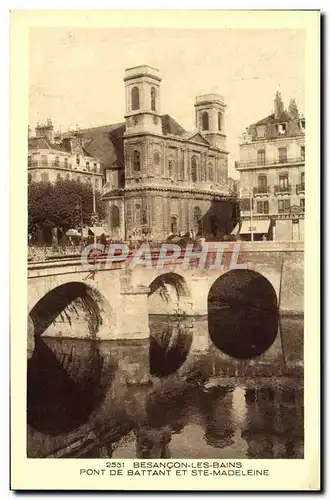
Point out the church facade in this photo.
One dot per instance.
(159, 178)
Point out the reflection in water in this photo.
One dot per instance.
(170, 343)
(62, 388)
(186, 414)
(243, 333)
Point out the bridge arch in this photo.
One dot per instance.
(169, 294)
(66, 380)
(242, 313)
(68, 304)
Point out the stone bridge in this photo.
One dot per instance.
(117, 301)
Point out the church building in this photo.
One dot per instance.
(159, 178)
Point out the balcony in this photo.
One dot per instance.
(300, 188)
(261, 191)
(278, 190)
(241, 165)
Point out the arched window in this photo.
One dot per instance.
(170, 168)
(194, 169)
(135, 98)
(174, 225)
(205, 121)
(210, 169)
(138, 214)
(219, 121)
(197, 223)
(136, 161)
(114, 216)
(153, 98)
(78, 160)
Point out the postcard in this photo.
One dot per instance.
(165, 289)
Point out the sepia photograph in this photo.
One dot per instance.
(165, 180)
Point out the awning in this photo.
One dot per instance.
(97, 230)
(257, 226)
(235, 230)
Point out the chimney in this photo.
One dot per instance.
(278, 105)
(293, 109)
(46, 131)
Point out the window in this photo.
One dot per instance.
(135, 98)
(181, 170)
(59, 177)
(284, 180)
(263, 207)
(197, 219)
(29, 178)
(210, 169)
(114, 216)
(262, 181)
(95, 167)
(281, 128)
(283, 206)
(67, 177)
(302, 124)
(29, 160)
(245, 204)
(170, 168)
(194, 169)
(205, 121)
(302, 179)
(65, 163)
(261, 130)
(78, 160)
(302, 152)
(45, 177)
(174, 225)
(302, 204)
(44, 160)
(136, 161)
(138, 214)
(87, 165)
(156, 158)
(153, 98)
(282, 155)
(261, 157)
(57, 161)
(219, 121)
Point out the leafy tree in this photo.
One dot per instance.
(59, 205)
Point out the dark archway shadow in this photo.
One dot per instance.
(65, 384)
(242, 314)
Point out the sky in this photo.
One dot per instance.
(76, 75)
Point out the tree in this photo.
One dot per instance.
(59, 205)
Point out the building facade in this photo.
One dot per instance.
(161, 179)
(272, 176)
(52, 157)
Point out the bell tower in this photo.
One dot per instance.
(210, 111)
(142, 86)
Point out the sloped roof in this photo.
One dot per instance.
(170, 126)
(39, 143)
(284, 117)
(106, 142)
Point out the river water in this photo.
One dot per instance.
(177, 395)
